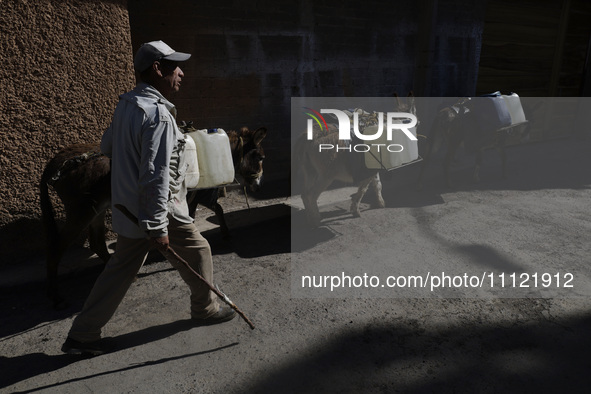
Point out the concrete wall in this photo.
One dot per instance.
(64, 62)
(250, 58)
(536, 48)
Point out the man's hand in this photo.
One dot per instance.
(160, 243)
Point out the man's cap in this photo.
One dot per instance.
(156, 50)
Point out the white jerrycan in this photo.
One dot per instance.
(214, 158)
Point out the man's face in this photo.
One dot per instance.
(171, 77)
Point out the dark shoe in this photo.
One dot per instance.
(225, 313)
(94, 348)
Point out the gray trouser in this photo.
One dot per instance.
(122, 268)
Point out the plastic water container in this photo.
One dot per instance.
(214, 158)
(192, 174)
(515, 109)
(387, 154)
(491, 112)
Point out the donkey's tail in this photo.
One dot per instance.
(47, 212)
(298, 163)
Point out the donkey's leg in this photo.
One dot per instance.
(311, 207)
(215, 206)
(54, 255)
(219, 213)
(310, 196)
(96, 237)
(67, 235)
(376, 186)
(77, 219)
(192, 202)
(356, 197)
(427, 157)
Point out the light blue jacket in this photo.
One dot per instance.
(147, 165)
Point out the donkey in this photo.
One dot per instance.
(81, 177)
(456, 124)
(248, 156)
(320, 169)
(447, 129)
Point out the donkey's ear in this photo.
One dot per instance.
(410, 99)
(259, 135)
(398, 101)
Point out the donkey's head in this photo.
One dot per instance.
(407, 105)
(248, 155)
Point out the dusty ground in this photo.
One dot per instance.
(539, 219)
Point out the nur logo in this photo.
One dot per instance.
(395, 122)
(315, 115)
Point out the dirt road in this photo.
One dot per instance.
(308, 340)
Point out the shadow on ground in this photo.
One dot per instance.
(20, 368)
(26, 304)
(260, 231)
(400, 357)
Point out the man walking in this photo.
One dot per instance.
(147, 177)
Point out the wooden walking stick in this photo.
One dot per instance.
(170, 254)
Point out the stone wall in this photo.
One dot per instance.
(64, 63)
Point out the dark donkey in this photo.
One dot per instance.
(458, 123)
(448, 129)
(318, 170)
(81, 177)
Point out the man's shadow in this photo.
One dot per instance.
(16, 369)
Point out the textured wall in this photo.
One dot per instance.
(64, 63)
